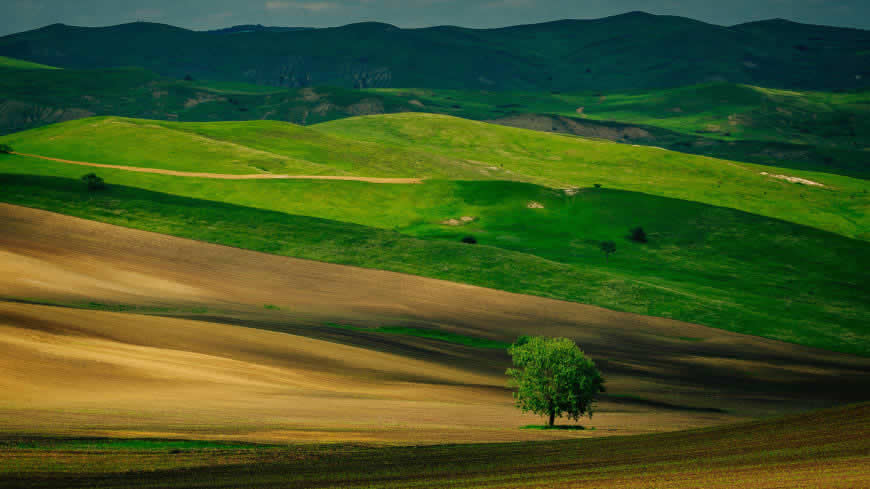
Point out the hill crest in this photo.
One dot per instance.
(629, 51)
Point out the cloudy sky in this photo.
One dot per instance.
(19, 15)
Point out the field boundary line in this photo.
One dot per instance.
(225, 176)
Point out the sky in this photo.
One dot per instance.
(20, 15)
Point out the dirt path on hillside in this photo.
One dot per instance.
(224, 176)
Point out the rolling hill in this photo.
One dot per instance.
(298, 257)
(255, 147)
(629, 51)
(434, 146)
(316, 363)
(803, 130)
(699, 265)
(559, 161)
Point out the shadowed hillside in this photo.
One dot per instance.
(634, 50)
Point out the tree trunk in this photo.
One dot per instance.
(552, 417)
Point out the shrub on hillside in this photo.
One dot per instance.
(608, 247)
(469, 240)
(638, 235)
(5, 148)
(94, 182)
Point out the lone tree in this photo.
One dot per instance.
(469, 240)
(553, 377)
(94, 182)
(5, 148)
(608, 247)
(638, 235)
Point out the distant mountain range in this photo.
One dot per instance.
(629, 51)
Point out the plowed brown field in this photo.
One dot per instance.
(236, 373)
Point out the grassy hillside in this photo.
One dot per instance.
(787, 281)
(36, 98)
(820, 449)
(840, 205)
(381, 334)
(722, 111)
(798, 129)
(629, 51)
(803, 130)
(421, 145)
(18, 64)
(233, 148)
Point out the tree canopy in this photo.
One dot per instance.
(93, 182)
(553, 378)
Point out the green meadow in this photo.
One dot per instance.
(725, 111)
(799, 129)
(710, 265)
(727, 246)
(840, 204)
(435, 146)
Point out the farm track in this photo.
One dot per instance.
(224, 176)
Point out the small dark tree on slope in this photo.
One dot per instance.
(553, 378)
(638, 235)
(608, 247)
(469, 240)
(5, 148)
(94, 182)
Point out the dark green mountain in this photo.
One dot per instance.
(628, 51)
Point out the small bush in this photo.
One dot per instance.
(597, 185)
(94, 182)
(5, 148)
(638, 235)
(608, 247)
(469, 240)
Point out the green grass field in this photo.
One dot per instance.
(728, 246)
(231, 148)
(821, 449)
(721, 111)
(841, 205)
(787, 281)
(19, 64)
(804, 130)
(421, 145)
